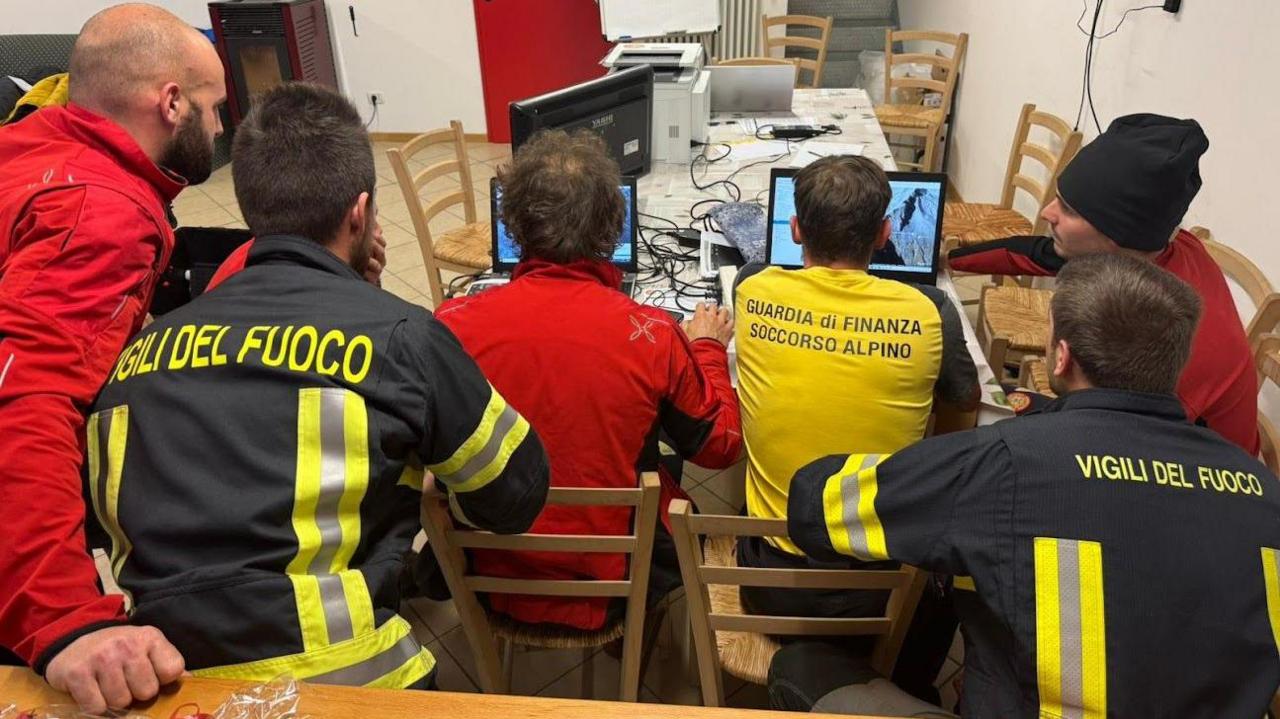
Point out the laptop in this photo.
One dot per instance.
(506, 254)
(915, 209)
(752, 88)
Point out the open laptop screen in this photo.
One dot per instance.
(506, 254)
(915, 211)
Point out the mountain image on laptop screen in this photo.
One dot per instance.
(913, 216)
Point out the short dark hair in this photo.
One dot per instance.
(1128, 323)
(560, 197)
(300, 159)
(840, 205)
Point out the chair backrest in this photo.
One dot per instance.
(1253, 281)
(814, 66)
(1266, 358)
(905, 585)
(1053, 160)
(755, 61)
(448, 540)
(423, 209)
(948, 66)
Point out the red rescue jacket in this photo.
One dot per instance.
(1219, 386)
(83, 237)
(597, 375)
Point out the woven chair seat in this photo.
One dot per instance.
(1019, 314)
(553, 636)
(1039, 379)
(468, 245)
(913, 116)
(974, 222)
(745, 655)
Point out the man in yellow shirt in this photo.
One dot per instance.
(829, 352)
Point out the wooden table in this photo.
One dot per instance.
(22, 687)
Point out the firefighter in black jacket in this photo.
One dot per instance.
(1117, 560)
(258, 454)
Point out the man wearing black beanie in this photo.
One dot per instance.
(1126, 192)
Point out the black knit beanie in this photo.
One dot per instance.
(1135, 181)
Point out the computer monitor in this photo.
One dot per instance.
(619, 106)
(915, 209)
(506, 253)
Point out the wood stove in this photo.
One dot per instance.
(264, 43)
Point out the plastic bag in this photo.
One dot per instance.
(276, 699)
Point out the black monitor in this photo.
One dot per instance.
(915, 209)
(619, 106)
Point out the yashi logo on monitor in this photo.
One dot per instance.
(602, 121)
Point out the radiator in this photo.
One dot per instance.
(739, 33)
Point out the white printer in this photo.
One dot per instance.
(681, 98)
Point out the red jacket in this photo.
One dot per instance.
(597, 375)
(82, 212)
(1219, 386)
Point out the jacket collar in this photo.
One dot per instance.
(109, 138)
(600, 271)
(296, 250)
(1160, 406)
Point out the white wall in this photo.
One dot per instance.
(1208, 62)
(420, 54)
(20, 17)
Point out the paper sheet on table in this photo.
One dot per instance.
(811, 151)
(756, 149)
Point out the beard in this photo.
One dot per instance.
(363, 250)
(189, 153)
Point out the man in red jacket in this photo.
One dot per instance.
(598, 376)
(1127, 191)
(84, 236)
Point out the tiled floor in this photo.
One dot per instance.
(541, 672)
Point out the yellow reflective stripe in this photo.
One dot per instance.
(311, 622)
(412, 477)
(349, 656)
(1093, 630)
(478, 439)
(833, 510)
(964, 583)
(490, 471)
(118, 437)
(1071, 652)
(355, 432)
(1271, 577)
(411, 671)
(359, 603)
(306, 485)
(1048, 642)
(95, 452)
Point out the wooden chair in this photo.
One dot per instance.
(1266, 357)
(973, 222)
(918, 120)
(1012, 321)
(448, 542)
(1252, 280)
(464, 249)
(725, 636)
(757, 61)
(823, 24)
(1033, 373)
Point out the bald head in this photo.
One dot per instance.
(126, 53)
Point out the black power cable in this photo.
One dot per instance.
(1086, 90)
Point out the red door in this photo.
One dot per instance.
(528, 47)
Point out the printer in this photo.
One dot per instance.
(681, 96)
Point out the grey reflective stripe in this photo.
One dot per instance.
(333, 477)
(1069, 629)
(481, 459)
(374, 667)
(334, 600)
(851, 494)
